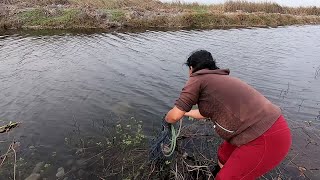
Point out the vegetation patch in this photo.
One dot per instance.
(117, 15)
(59, 18)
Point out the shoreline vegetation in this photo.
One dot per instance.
(148, 14)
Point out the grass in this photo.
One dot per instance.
(41, 17)
(60, 18)
(117, 15)
(229, 6)
(46, 14)
(249, 7)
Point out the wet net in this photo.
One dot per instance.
(192, 158)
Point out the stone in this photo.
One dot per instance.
(38, 167)
(81, 173)
(33, 176)
(60, 172)
(74, 168)
(69, 162)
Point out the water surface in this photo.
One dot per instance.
(53, 83)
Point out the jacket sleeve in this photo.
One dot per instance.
(189, 95)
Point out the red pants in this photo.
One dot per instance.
(257, 157)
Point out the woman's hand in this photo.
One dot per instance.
(174, 115)
(195, 113)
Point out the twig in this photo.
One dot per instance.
(8, 127)
(15, 163)
(291, 160)
(194, 167)
(194, 135)
(300, 105)
(6, 154)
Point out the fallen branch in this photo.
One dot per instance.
(8, 127)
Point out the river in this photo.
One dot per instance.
(54, 83)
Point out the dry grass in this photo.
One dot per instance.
(248, 7)
(99, 4)
(267, 7)
(229, 6)
(149, 13)
(303, 11)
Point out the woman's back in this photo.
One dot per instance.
(241, 112)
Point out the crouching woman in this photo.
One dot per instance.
(256, 135)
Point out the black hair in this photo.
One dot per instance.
(201, 59)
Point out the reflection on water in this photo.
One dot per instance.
(50, 82)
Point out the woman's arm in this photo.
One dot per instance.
(194, 114)
(174, 115)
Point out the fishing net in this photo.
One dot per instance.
(192, 158)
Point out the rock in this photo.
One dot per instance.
(33, 176)
(38, 167)
(66, 178)
(69, 162)
(81, 173)
(74, 168)
(60, 172)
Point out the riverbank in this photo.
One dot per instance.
(146, 14)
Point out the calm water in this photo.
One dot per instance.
(53, 83)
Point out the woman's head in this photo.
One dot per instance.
(201, 59)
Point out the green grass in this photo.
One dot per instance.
(200, 9)
(41, 17)
(69, 18)
(117, 15)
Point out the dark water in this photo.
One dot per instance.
(53, 83)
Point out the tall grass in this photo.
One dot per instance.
(249, 7)
(303, 11)
(154, 5)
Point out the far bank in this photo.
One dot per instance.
(151, 14)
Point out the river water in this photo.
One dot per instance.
(54, 83)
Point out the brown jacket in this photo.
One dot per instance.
(241, 113)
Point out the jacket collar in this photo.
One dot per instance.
(207, 71)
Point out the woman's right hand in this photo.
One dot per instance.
(194, 113)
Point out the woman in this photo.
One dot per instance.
(256, 135)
